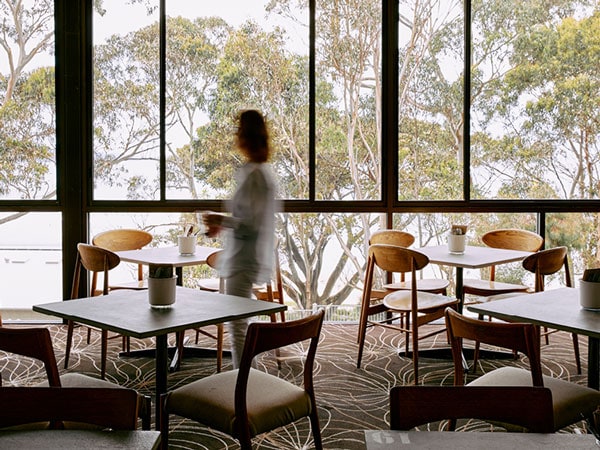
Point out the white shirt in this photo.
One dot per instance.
(249, 244)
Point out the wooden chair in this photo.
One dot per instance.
(93, 259)
(405, 239)
(528, 407)
(273, 290)
(542, 263)
(246, 402)
(120, 240)
(209, 285)
(212, 284)
(36, 343)
(115, 408)
(418, 307)
(510, 239)
(372, 299)
(570, 400)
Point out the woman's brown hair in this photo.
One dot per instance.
(252, 136)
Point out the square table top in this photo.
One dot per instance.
(474, 257)
(128, 312)
(78, 439)
(394, 439)
(555, 308)
(166, 256)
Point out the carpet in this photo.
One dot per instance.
(350, 400)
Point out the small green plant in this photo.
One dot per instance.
(158, 271)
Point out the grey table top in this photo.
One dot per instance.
(556, 308)
(128, 312)
(473, 257)
(167, 256)
(79, 439)
(388, 439)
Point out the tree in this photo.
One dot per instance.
(27, 113)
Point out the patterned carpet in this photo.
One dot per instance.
(350, 400)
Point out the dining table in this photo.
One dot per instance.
(558, 309)
(128, 312)
(474, 257)
(167, 256)
(427, 440)
(171, 256)
(79, 439)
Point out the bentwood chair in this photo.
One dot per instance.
(93, 259)
(405, 239)
(212, 285)
(273, 290)
(570, 401)
(419, 308)
(541, 264)
(36, 343)
(247, 402)
(509, 239)
(114, 408)
(124, 239)
(528, 407)
(372, 305)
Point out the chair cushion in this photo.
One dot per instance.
(570, 400)
(425, 285)
(272, 402)
(493, 286)
(402, 301)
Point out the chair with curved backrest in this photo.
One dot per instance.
(93, 259)
(405, 239)
(418, 307)
(570, 400)
(209, 284)
(36, 343)
(246, 402)
(124, 239)
(543, 263)
(212, 284)
(528, 407)
(510, 239)
(371, 303)
(115, 408)
(273, 290)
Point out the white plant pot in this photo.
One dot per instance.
(457, 243)
(589, 295)
(161, 291)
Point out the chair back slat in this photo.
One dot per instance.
(528, 407)
(521, 337)
(33, 343)
(115, 408)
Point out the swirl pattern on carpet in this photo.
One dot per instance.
(350, 400)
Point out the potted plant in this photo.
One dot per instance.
(161, 286)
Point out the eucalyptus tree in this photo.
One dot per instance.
(27, 112)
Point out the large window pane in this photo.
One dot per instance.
(348, 100)
(580, 234)
(430, 100)
(535, 115)
(126, 101)
(30, 263)
(223, 57)
(27, 101)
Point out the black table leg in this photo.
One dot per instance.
(161, 373)
(593, 362)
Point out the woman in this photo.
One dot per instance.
(248, 253)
